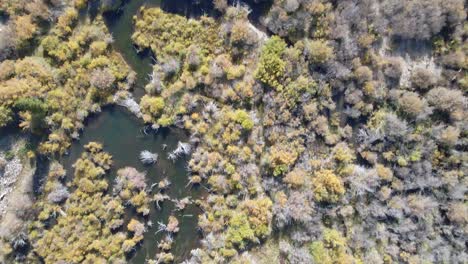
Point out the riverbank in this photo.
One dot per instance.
(16, 194)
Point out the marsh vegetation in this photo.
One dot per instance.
(266, 131)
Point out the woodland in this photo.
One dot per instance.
(322, 131)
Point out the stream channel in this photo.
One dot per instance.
(123, 136)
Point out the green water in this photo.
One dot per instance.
(120, 25)
(123, 137)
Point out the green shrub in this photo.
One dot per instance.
(9, 155)
(294, 90)
(5, 116)
(327, 186)
(239, 232)
(271, 67)
(85, 227)
(243, 118)
(319, 51)
(33, 105)
(332, 250)
(165, 121)
(152, 105)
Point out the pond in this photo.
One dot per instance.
(123, 136)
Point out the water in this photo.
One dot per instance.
(122, 134)
(123, 137)
(120, 24)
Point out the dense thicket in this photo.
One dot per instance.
(89, 220)
(71, 75)
(340, 137)
(355, 136)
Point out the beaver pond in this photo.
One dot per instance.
(233, 131)
(124, 136)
